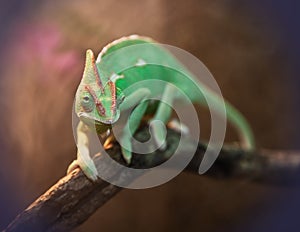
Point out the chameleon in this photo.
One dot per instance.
(101, 97)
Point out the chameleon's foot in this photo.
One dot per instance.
(109, 142)
(90, 171)
(72, 166)
(127, 155)
(125, 145)
(178, 127)
(159, 133)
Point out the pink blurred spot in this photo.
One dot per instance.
(38, 47)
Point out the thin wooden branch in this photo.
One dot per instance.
(74, 198)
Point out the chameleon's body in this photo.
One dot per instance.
(101, 96)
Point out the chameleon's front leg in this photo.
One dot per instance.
(162, 116)
(84, 160)
(157, 124)
(138, 97)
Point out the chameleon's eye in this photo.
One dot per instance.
(87, 103)
(86, 98)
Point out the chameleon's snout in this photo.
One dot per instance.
(90, 119)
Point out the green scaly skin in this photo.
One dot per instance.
(101, 96)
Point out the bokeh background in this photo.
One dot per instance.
(252, 49)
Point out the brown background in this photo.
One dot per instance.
(241, 46)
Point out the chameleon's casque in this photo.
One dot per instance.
(96, 99)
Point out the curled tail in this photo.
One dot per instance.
(241, 125)
(234, 117)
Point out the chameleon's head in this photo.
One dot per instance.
(96, 97)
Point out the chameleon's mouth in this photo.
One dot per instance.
(97, 121)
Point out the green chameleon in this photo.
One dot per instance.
(102, 97)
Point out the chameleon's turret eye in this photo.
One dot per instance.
(87, 103)
(86, 99)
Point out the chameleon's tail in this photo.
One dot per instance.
(233, 116)
(242, 126)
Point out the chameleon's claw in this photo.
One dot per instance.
(125, 153)
(74, 165)
(108, 142)
(90, 171)
(159, 133)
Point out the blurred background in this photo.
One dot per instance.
(252, 49)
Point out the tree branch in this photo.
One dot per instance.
(74, 198)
